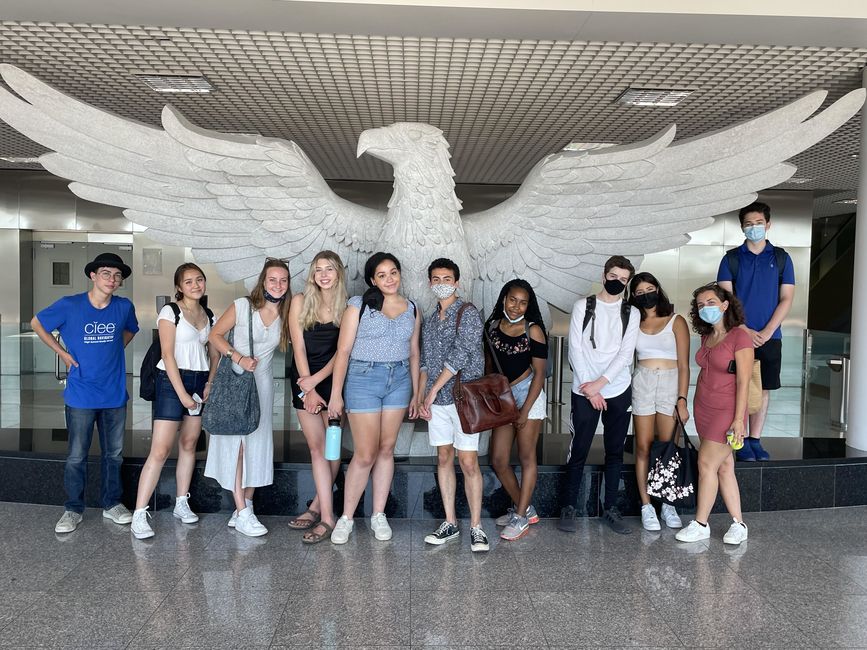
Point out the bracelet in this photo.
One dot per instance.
(681, 397)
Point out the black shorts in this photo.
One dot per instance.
(166, 404)
(771, 356)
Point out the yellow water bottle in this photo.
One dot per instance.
(734, 444)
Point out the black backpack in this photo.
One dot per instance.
(734, 264)
(590, 315)
(148, 373)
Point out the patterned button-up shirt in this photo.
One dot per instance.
(444, 346)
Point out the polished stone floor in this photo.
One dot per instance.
(800, 581)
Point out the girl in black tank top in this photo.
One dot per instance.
(517, 346)
(314, 318)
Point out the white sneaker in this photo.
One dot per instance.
(183, 512)
(695, 532)
(342, 530)
(648, 518)
(379, 526)
(736, 534)
(140, 527)
(248, 525)
(68, 522)
(234, 518)
(118, 514)
(670, 516)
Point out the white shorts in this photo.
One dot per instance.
(444, 428)
(654, 391)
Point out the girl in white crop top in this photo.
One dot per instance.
(659, 384)
(186, 368)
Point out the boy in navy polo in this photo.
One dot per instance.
(763, 278)
(96, 327)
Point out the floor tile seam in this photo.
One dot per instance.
(791, 620)
(289, 595)
(137, 632)
(661, 615)
(539, 616)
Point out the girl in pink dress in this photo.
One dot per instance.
(720, 406)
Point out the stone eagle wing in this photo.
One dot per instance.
(234, 199)
(575, 209)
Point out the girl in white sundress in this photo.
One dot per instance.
(242, 463)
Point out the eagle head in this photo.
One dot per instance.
(407, 143)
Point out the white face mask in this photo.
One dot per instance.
(443, 291)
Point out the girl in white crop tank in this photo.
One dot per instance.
(659, 384)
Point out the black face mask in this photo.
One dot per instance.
(614, 287)
(647, 300)
(271, 298)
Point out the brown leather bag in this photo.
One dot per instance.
(487, 402)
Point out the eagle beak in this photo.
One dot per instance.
(363, 143)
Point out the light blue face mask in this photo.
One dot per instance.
(755, 233)
(710, 314)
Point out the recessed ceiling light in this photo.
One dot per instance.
(846, 202)
(19, 159)
(653, 96)
(586, 146)
(799, 180)
(176, 83)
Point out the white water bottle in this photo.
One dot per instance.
(333, 438)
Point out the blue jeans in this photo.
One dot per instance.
(79, 423)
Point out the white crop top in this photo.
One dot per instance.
(190, 351)
(657, 346)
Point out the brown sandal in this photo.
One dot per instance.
(305, 524)
(314, 538)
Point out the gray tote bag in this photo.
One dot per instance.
(233, 405)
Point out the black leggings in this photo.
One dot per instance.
(585, 418)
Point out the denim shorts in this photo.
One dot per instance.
(167, 405)
(521, 390)
(374, 386)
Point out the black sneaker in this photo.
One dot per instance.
(567, 523)
(444, 533)
(478, 540)
(615, 522)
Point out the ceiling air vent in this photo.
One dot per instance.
(652, 96)
(176, 83)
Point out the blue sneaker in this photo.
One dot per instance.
(758, 451)
(746, 454)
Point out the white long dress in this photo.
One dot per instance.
(223, 451)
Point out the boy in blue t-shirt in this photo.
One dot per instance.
(96, 327)
(763, 279)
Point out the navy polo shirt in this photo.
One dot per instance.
(758, 284)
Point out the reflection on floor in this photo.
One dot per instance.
(799, 581)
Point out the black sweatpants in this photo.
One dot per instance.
(585, 418)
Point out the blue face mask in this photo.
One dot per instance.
(755, 233)
(710, 314)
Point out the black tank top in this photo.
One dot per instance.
(515, 353)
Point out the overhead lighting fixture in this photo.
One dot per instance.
(846, 202)
(653, 96)
(798, 180)
(176, 83)
(588, 146)
(19, 159)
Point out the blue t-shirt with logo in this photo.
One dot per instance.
(758, 284)
(94, 338)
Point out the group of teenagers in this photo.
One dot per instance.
(376, 359)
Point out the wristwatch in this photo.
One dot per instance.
(229, 353)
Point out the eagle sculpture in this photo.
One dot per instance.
(236, 199)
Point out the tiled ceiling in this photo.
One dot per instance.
(503, 104)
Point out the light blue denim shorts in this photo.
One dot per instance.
(521, 390)
(374, 386)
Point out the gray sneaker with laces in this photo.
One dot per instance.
(517, 528)
(118, 514)
(68, 522)
(503, 520)
(615, 522)
(567, 522)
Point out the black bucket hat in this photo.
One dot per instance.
(110, 260)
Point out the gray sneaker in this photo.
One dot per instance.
(516, 529)
(567, 522)
(504, 520)
(615, 521)
(532, 515)
(118, 514)
(68, 522)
